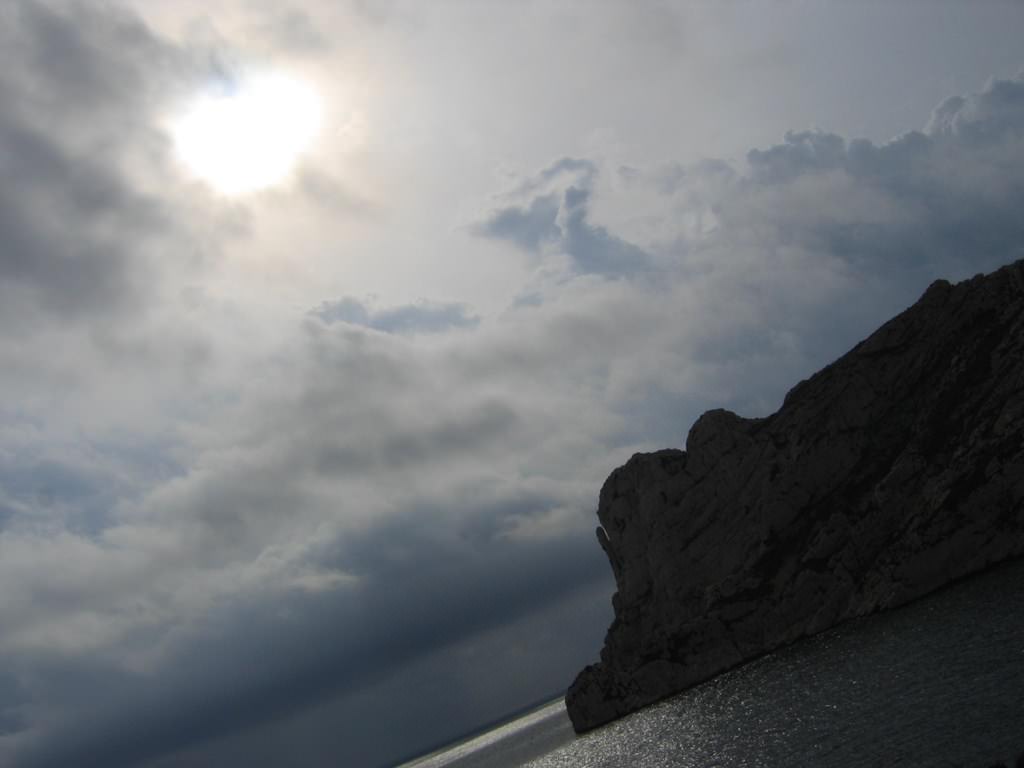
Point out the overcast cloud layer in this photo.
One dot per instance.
(309, 478)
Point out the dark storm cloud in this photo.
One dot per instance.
(560, 219)
(481, 678)
(344, 533)
(423, 317)
(421, 588)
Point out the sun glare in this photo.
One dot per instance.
(250, 136)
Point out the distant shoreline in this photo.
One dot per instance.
(440, 748)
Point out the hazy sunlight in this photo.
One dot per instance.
(249, 137)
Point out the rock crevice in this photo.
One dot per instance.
(890, 473)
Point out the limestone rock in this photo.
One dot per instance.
(886, 475)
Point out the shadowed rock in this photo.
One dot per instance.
(890, 473)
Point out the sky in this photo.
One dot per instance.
(322, 323)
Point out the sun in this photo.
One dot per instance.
(248, 135)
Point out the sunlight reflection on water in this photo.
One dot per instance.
(938, 683)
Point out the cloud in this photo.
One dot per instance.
(932, 201)
(995, 114)
(580, 171)
(424, 317)
(198, 588)
(53, 212)
(324, 643)
(330, 193)
(223, 523)
(66, 213)
(593, 249)
(946, 197)
(560, 219)
(98, 229)
(527, 227)
(292, 30)
(803, 152)
(482, 678)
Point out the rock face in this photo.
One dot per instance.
(890, 473)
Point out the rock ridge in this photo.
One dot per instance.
(888, 474)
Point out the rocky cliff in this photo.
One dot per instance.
(893, 471)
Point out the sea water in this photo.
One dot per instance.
(936, 683)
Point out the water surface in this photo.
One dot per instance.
(936, 683)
